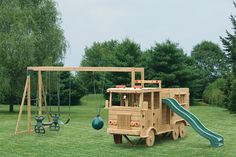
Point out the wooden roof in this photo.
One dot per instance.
(133, 90)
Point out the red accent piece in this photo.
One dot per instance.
(120, 86)
(140, 87)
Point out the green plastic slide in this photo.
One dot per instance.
(215, 139)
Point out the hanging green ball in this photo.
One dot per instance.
(97, 123)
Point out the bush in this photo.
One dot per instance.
(214, 93)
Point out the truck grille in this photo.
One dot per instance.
(123, 121)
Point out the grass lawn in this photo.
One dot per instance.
(79, 139)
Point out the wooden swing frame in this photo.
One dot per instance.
(41, 93)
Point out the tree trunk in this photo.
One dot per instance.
(11, 96)
(11, 107)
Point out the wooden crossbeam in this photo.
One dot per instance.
(105, 69)
(132, 70)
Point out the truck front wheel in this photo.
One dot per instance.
(150, 140)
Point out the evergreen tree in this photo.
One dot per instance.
(229, 43)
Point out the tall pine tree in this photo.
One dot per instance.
(229, 43)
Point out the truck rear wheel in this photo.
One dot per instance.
(175, 132)
(117, 138)
(150, 140)
(182, 131)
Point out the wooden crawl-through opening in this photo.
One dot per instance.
(41, 94)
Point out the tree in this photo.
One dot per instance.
(66, 84)
(167, 62)
(229, 43)
(30, 34)
(110, 53)
(211, 62)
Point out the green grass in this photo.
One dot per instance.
(79, 139)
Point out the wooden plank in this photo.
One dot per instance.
(133, 78)
(110, 99)
(124, 112)
(148, 81)
(133, 117)
(121, 131)
(142, 77)
(134, 90)
(105, 69)
(131, 128)
(125, 109)
(21, 106)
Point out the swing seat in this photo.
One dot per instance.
(54, 127)
(39, 129)
(39, 126)
(97, 123)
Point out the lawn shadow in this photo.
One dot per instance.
(141, 143)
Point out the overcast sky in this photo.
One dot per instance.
(186, 22)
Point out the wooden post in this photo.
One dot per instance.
(22, 105)
(28, 107)
(39, 92)
(152, 101)
(142, 78)
(133, 77)
(110, 101)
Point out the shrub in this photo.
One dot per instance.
(214, 93)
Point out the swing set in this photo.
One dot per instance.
(54, 119)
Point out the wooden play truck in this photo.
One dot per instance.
(140, 112)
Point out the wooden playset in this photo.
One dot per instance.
(134, 111)
(141, 112)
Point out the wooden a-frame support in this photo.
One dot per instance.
(26, 94)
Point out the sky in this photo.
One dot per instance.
(187, 22)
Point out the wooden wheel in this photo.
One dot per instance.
(182, 131)
(117, 139)
(150, 140)
(175, 132)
